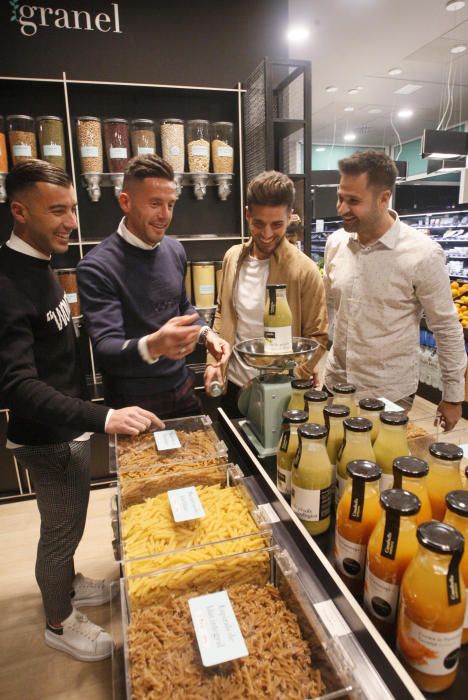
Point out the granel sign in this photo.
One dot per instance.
(33, 17)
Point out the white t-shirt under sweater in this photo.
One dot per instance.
(249, 299)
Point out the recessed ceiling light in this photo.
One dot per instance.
(405, 113)
(395, 71)
(297, 34)
(458, 49)
(408, 89)
(375, 110)
(349, 137)
(331, 88)
(454, 5)
(348, 109)
(359, 88)
(353, 91)
(320, 148)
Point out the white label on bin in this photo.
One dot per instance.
(434, 653)
(206, 288)
(386, 482)
(350, 557)
(389, 405)
(117, 152)
(216, 629)
(332, 618)
(71, 297)
(200, 150)
(174, 150)
(380, 597)
(145, 150)
(52, 149)
(225, 151)
(283, 480)
(185, 504)
(166, 440)
(22, 149)
(89, 152)
(270, 514)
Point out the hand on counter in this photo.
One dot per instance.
(448, 415)
(176, 339)
(131, 420)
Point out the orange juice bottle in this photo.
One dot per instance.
(344, 394)
(444, 474)
(391, 443)
(287, 448)
(315, 402)
(371, 409)
(356, 445)
(392, 545)
(410, 473)
(432, 608)
(299, 388)
(356, 516)
(457, 516)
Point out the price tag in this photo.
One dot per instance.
(185, 504)
(270, 514)
(390, 406)
(166, 440)
(332, 618)
(319, 225)
(216, 628)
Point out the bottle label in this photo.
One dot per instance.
(206, 288)
(390, 536)
(357, 500)
(434, 653)
(283, 481)
(52, 149)
(309, 504)
(22, 149)
(278, 340)
(174, 150)
(350, 557)
(117, 152)
(71, 297)
(145, 150)
(341, 484)
(386, 482)
(89, 151)
(200, 151)
(380, 597)
(453, 579)
(285, 441)
(225, 151)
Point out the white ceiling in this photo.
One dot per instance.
(355, 43)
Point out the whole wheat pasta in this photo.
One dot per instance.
(140, 450)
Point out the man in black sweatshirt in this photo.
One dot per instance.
(41, 384)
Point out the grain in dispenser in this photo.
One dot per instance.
(198, 145)
(67, 279)
(116, 139)
(143, 137)
(173, 143)
(222, 147)
(89, 137)
(204, 283)
(3, 148)
(51, 140)
(22, 138)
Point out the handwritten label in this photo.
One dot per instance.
(166, 440)
(185, 504)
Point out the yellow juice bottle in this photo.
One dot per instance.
(287, 448)
(371, 409)
(299, 388)
(444, 474)
(344, 394)
(315, 402)
(457, 516)
(277, 321)
(356, 445)
(334, 416)
(410, 473)
(391, 443)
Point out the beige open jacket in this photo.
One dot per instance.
(306, 296)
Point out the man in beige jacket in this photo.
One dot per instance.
(266, 258)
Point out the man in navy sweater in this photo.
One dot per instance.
(50, 420)
(132, 293)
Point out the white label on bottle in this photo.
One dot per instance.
(278, 340)
(166, 440)
(434, 653)
(185, 504)
(350, 557)
(389, 405)
(310, 505)
(89, 151)
(332, 618)
(117, 152)
(145, 150)
(386, 481)
(225, 151)
(22, 149)
(341, 484)
(380, 597)
(200, 150)
(71, 297)
(283, 480)
(174, 151)
(206, 288)
(216, 628)
(52, 149)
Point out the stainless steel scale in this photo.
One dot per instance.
(267, 396)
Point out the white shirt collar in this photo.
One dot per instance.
(130, 237)
(17, 243)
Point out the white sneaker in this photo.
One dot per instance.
(90, 592)
(81, 638)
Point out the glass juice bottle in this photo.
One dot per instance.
(299, 388)
(432, 608)
(277, 321)
(410, 473)
(315, 402)
(444, 475)
(371, 409)
(344, 394)
(311, 479)
(391, 443)
(356, 516)
(334, 416)
(287, 448)
(356, 445)
(457, 516)
(392, 545)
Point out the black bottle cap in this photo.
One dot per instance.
(315, 395)
(343, 388)
(358, 425)
(302, 383)
(446, 450)
(363, 469)
(394, 417)
(295, 416)
(457, 502)
(336, 410)
(371, 405)
(400, 501)
(440, 537)
(411, 466)
(312, 431)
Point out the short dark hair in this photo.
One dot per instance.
(380, 168)
(142, 167)
(25, 175)
(271, 189)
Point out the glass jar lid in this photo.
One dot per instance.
(364, 469)
(315, 395)
(115, 120)
(197, 121)
(400, 501)
(343, 388)
(20, 116)
(142, 122)
(88, 119)
(302, 383)
(294, 415)
(171, 120)
(440, 537)
(371, 405)
(313, 431)
(202, 262)
(358, 425)
(394, 417)
(413, 467)
(336, 410)
(49, 116)
(457, 502)
(223, 123)
(446, 451)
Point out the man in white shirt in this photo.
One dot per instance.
(380, 277)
